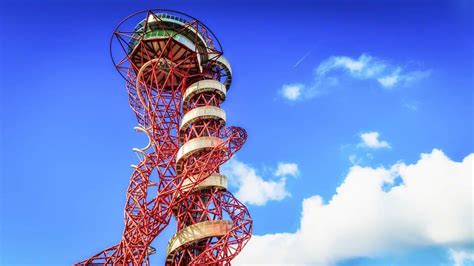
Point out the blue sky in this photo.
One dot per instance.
(340, 99)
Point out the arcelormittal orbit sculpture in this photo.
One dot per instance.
(177, 78)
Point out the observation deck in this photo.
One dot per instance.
(154, 33)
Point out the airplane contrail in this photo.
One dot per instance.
(302, 58)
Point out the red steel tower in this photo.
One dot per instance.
(177, 79)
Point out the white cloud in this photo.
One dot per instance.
(397, 77)
(460, 256)
(371, 140)
(413, 106)
(332, 70)
(364, 67)
(360, 159)
(252, 188)
(292, 92)
(287, 169)
(354, 159)
(432, 206)
(367, 67)
(390, 80)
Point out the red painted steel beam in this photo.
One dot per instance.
(159, 59)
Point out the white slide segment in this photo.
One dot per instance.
(215, 180)
(203, 86)
(195, 145)
(196, 232)
(204, 112)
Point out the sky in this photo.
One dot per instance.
(359, 115)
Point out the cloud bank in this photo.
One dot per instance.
(369, 215)
(253, 188)
(459, 257)
(331, 71)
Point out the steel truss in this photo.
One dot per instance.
(174, 68)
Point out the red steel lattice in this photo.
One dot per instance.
(177, 78)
